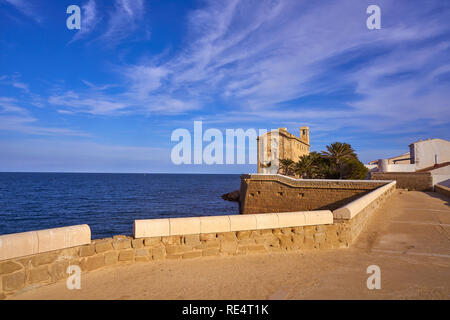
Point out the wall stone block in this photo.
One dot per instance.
(158, 253)
(148, 242)
(137, 243)
(87, 250)
(92, 263)
(142, 252)
(111, 257)
(121, 243)
(9, 267)
(126, 255)
(14, 281)
(192, 240)
(228, 247)
(58, 270)
(39, 274)
(43, 258)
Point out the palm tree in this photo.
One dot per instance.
(338, 153)
(304, 166)
(286, 165)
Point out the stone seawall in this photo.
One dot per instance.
(189, 238)
(46, 268)
(277, 193)
(421, 181)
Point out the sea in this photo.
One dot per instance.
(108, 202)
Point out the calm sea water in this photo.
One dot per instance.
(108, 203)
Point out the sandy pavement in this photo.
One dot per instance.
(408, 238)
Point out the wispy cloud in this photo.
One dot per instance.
(14, 81)
(89, 20)
(145, 80)
(265, 58)
(8, 105)
(97, 103)
(113, 24)
(18, 119)
(26, 8)
(27, 125)
(123, 20)
(98, 87)
(270, 62)
(94, 104)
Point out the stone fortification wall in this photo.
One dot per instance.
(422, 181)
(277, 193)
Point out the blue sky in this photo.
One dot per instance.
(106, 98)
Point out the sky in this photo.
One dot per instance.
(107, 97)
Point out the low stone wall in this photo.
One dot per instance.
(46, 268)
(355, 215)
(355, 207)
(442, 190)
(198, 225)
(187, 238)
(32, 242)
(421, 181)
(277, 193)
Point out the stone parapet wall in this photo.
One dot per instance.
(32, 242)
(46, 268)
(354, 216)
(199, 225)
(353, 208)
(421, 181)
(316, 183)
(262, 193)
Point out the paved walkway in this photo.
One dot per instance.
(408, 238)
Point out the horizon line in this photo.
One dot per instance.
(92, 172)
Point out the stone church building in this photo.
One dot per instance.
(280, 144)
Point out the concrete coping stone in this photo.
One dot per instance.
(213, 224)
(315, 183)
(281, 177)
(32, 242)
(180, 226)
(227, 223)
(151, 228)
(242, 222)
(351, 209)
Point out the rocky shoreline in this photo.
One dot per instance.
(232, 196)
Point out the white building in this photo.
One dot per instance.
(423, 155)
(428, 153)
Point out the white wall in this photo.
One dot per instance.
(401, 167)
(383, 166)
(425, 151)
(441, 176)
